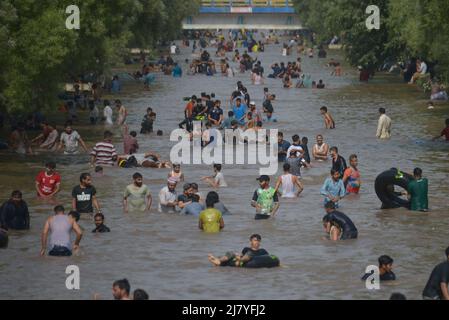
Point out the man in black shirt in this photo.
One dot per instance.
(268, 106)
(99, 224)
(239, 260)
(84, 195)
(385, 269)
(437, 286)
(14, 213)
(347, 229)
(338, 162)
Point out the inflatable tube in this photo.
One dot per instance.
(267, 261)
(384, 187)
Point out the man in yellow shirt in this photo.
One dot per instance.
(211, 220)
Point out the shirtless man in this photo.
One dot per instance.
(122, 113)
(328, 120)
(320, 150)
(145, 160)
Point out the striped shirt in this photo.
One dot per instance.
(103, 153)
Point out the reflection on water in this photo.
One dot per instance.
(167, 255)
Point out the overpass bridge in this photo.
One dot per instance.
(248, 14)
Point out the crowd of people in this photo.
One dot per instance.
(294, 156)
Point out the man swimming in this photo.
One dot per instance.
(328, 120)
(146, 160)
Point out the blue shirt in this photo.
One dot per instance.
(240, 113)
(177, 72)
(193, 208)
(335, 189)
(215, 113)
(283, 146)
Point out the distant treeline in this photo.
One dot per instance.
(38, 52)
(408, 29)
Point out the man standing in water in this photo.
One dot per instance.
(84, 195)
(384, 125)
(137, 196)
(168, 197)
(265, 199)
(333, 189)
(59, 227)
(48, 182)
(211, 220)
(437, 285)
(70, 139)
(320, 150)
(291, 186)
(418, 192)
(104, 152)
(338, 162)
(351, 177)
(14, 213)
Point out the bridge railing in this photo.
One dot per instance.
(247, 3)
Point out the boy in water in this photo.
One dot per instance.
(385, 269)
(328, 120)
(100, 227)
(217, 180)
(351, 177)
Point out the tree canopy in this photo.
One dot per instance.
(409, 28)
(38, 52)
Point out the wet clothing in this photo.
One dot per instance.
(334, 188)
(254, 253)
(193, 208)
(440, 274)
(387, 276)
(101, 229)
(136, 197)
(147, 124)
(288, 187)
(47, 184)
(348, 229)
(83, 198)
(104, 152)
(60, 251)
(222, 208)
(306, 155)
(418, 189)
(295, 166)
(60, 228)
(166, 196)
(219, 179)
(351, 184)
(266, 198)
(70, 142)
(384, 127)
(283, 146)
(211, 220)
(14, 216)
(339, 165)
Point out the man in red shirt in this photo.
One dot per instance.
(48, 182)
(445, 132)
(188, 114)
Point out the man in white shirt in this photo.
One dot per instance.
(107, 113)
(384, 125)
(168, 197)
(173, 48)
(421, 70)
(70, 139)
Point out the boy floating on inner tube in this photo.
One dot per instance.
(239, 260)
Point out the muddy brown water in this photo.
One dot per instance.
(167, 255)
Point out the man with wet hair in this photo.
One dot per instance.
(121, 289)
(48, 182)
(239, 260)
(417, 190)
(14, 213)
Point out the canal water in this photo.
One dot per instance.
(167, 255)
